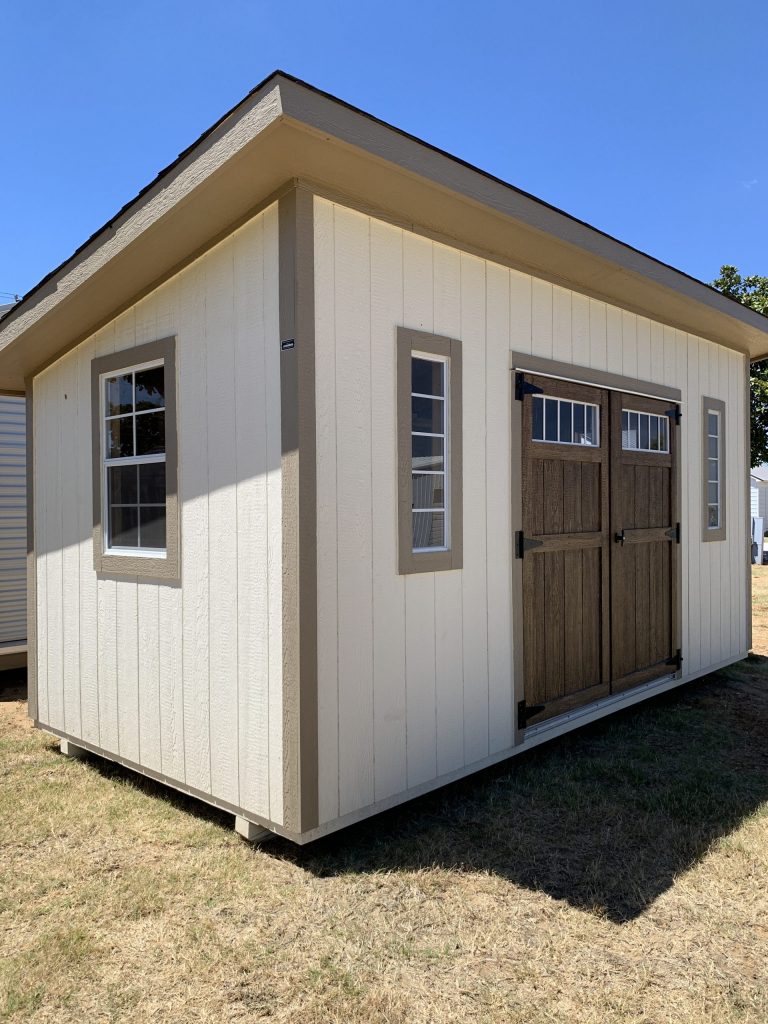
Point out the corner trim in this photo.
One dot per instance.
(125, 565)
(718, 406)
(299, 504)
(32, 696)
(595, 378)
(449, 348)
(747, 498)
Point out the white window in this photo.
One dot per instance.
(561, 421)
(430, 503)
(644, 432)
(133, 460)
(714, 458)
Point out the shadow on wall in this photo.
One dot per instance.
(604, 818)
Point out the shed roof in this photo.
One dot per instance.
(285, 130)
(760, 473)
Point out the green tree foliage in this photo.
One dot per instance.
(752, 291)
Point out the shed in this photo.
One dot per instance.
(356, 470)
(13, 529)
(759, 479)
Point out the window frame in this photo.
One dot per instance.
(144, 563)
(413, 344)
(717, 407)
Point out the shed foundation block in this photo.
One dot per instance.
(70, 749)
(251, 832)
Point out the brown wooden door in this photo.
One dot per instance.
(566, 534)
(644, 517)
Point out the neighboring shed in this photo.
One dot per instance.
(357, 470)
(759, 478)
(13, 529)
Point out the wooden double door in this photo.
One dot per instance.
(598, 544)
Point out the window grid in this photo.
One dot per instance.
(429, 486)
(118, 462)
(563, 421)
(713, 470)
(644, 432)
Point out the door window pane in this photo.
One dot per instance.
(537, 412)
(561, 421)
(644, 432)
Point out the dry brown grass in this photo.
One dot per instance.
(617, 875)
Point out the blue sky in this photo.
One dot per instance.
(646, 120)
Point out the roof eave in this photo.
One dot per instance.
(287, 130)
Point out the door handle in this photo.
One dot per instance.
(620, 538)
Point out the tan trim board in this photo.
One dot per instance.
(409, 561)
(534, 736)
(32, 696)
(165, 780)
(718, 406)
(299, 504)
(597, 378)
(126, 565)
(748, 450)
(516, 564)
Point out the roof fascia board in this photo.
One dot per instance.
(329, 116)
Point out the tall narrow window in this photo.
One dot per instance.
(135, 503)
(429, 452)
(713, 469)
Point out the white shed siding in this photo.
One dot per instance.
(13, 521)
(415, 672)
(754, 498)
(185, 680)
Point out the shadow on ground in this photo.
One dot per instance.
(604, 818)
(13, 684)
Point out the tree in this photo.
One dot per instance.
(752, 291)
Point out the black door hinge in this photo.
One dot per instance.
(524, 387)
(675, 414)
(287, 344)
(674, 533)
(676, 661)
(524, 713)
(522, 544)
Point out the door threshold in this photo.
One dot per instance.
(601, 707)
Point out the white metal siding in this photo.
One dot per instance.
(754, 498)
(13, 521)
(415, 672)
(186, 680)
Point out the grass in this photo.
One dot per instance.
(615, 875)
